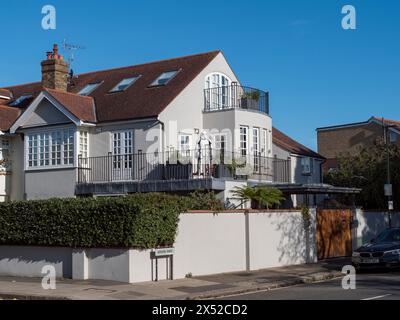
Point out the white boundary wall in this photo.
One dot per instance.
(368, 224)
(207, 243)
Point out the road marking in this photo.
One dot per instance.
(376, 298)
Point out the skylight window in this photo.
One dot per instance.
(124, 84)
(20, 100)
(89, 89)
(164, 78)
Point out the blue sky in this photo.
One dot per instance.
(317, 73)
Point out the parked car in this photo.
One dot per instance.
(383, 251)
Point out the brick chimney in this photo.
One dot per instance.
(55, 71)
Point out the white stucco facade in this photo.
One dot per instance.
(185, 115)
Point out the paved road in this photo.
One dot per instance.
(369, 286)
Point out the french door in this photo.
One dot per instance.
(123, 155)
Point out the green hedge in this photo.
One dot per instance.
(139, 221)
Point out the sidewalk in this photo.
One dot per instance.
(206, 287)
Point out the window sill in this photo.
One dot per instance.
(53, 168)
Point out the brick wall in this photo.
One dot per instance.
(333, 142)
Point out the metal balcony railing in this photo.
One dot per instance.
(236, 97)
(182, 165)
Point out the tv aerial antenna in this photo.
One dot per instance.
(71, 48)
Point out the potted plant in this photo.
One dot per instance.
(250, 99)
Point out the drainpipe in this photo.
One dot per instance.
(162, 124)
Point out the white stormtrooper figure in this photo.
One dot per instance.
(204, 155)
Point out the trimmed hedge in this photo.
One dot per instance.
(140, 221)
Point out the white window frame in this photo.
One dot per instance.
(4, 146)
(244, 151)
(185, 151)
(124, 157)
(218, 99)
(219, 139)
(4, 152)
(43, 152)
(265, 143)
(83, 143)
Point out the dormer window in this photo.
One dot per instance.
(164, 78)
(89, 88)
(124, 84)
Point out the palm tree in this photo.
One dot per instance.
(263, 195)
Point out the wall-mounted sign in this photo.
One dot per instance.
(164, 252)
(388, 190)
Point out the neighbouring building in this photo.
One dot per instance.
(353, 137)
(306, 165)
(174, 125)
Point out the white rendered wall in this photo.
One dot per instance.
(207, 243)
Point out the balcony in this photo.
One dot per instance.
(236, 97)
(175, 171)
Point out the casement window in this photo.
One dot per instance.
(256, 148)
(184, 144)
(244, 140)
(256, 141)
(51, 149)
(220, 142)
(83, 144)
(265, 141)
(4, 148)
(219, 93)
(306, 165)
(123, 149)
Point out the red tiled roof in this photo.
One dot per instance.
(8, 116)
(387, 121)
(5, 93)
(139, 100)
(80, 106)
(285, 142)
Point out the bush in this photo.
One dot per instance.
(141, 221)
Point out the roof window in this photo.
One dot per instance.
(164, 78)
(124, 84)
(88, 89)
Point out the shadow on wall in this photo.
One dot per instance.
(296, 244)
(29, 261)
(373, 223)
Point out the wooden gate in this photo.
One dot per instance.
(334, 233)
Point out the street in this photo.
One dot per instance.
(379, 285)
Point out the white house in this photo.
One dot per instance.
(175, 125)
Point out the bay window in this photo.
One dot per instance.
(51, 148)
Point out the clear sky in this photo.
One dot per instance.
(317, 73)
